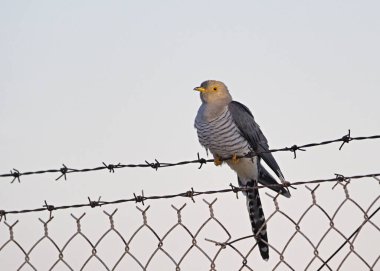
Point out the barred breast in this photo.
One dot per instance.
(221, 136)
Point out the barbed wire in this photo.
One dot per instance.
(64, 170)
(332, 245)
(188, 194)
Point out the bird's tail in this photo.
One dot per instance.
(267, 179)
(256, 215)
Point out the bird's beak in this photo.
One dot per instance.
(200, 89)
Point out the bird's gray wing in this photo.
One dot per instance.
(250, 130)
(268, 180)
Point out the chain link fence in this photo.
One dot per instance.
(319, 228)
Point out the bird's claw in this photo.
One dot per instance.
(217, 160)
(235, 159)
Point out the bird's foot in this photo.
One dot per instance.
(217, 160)
(235, 159)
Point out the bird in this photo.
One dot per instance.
(229, 131)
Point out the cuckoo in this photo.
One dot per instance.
(228, 130)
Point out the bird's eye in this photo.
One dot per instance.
(215, 88)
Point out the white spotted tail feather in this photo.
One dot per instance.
(257, 218)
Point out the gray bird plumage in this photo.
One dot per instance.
(251, 131)
(227, 128)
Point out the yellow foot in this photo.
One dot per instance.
(217, 160)
(235, 159)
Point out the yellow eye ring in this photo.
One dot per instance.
(215, 88)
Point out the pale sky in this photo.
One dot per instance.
(86, 82)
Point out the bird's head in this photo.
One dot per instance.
(212, 91)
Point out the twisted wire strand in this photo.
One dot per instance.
(64, 170)
(187, 194)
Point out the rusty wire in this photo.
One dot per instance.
(64, 170)
(227, 247)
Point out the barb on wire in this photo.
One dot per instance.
(295, 148)
(16, 175)
(63, 171)
(346, 139)
(188, 194)
(201, 161)
(339, 179)
(140, 198)
(93, 203)
(235, 190)
(48, 207)
(111, 167)
(155, 165)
